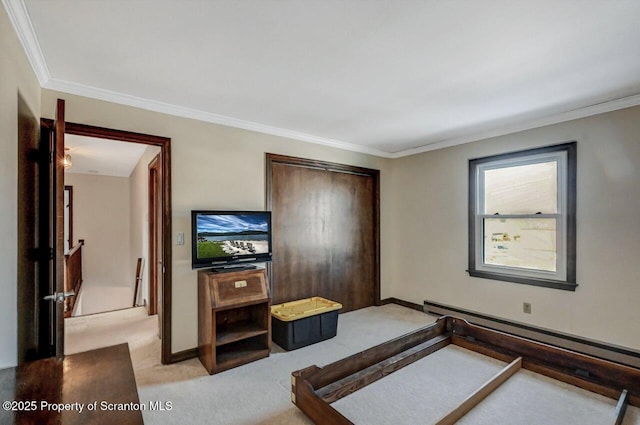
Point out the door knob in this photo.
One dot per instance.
(59, 297)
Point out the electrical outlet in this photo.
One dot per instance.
(526, 307)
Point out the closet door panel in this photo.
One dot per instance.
(352, 240)
(325, 231)
(301, 239)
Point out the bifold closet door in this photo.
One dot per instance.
(325, 231)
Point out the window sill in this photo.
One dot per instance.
(546, 283)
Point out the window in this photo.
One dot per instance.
(522, 209)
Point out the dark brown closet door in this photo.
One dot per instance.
(352, 224)
(325, 231)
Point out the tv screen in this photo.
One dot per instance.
(221, 238)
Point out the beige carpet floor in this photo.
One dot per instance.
(100, 298)
(259, 392)
(428, 389)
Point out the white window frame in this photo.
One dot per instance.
(564, 276)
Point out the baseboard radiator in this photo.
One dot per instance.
(594, 348)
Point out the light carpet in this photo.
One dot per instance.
(259, 392)
(425, 391)
(94, 299)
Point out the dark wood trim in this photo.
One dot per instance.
(75, 248)
(70, 190)
(403, 303)
(184, 355)
(572, 195)
(586, 346)
(164, 144)
(570, 283)
(471, 217)
(318, 164)
(272, 159)
(309, 385)
(111, 134)
(167, 294)
(544, 283)
(152, 199)
(57, 225)
(376, 211)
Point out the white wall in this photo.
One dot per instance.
(139, 200)
(16, 77)
(203, 156)
(101, 215)
(429, 228)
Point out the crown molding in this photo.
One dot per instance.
(595, 109)
(19, 16)
(170, 109)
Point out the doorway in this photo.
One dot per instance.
(163, 247)
(108, 180)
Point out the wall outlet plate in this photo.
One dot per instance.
(526, 307)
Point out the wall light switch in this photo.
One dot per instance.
(180, 238)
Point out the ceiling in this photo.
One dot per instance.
(102, 157)
(386, 77)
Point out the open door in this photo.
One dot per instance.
(51, 311)
(54, 299)
(33, 240)
(41, 235)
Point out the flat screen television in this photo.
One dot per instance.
(230, 239)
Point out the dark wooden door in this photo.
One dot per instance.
(33, 240)
(56, 235)
(325, 231)
(41, 235)
(352, 239)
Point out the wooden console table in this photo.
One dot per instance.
(234, 318)
(102, 375)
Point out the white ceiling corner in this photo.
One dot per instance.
(390, 79)
(19, 17)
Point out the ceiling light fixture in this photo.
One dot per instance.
(66, 161)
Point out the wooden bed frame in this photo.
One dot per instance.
(314, 388)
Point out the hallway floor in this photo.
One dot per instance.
(100, 298)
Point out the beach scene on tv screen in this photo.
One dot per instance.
(221, 235)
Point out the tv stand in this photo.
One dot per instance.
(234, 318)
